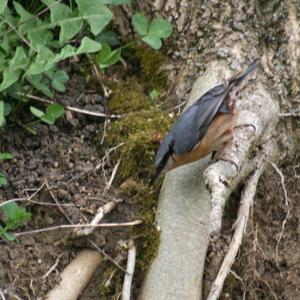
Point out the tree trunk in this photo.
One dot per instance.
(217, 39)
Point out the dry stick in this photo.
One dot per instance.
(71, 108)
(112, 177)
(106, 255)
(286, 198)
(29, 199)
(52, 268)
(56, 201)
(72, 226)
(101, 212)
(240, 226)
(129, 270)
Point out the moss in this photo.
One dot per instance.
(127, 96)
(150, 62)
(140, 132)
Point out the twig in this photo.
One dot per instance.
(107, 256)
(286, 198)
(71, 108)
(29, 199)
(112, 177)
(53, 267)
(129, 270)
(2, 295)
(289, 114)
(72, 226)
(56, 201)
(102, 211)
(240, 226)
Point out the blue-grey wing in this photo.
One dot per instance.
(191, 126)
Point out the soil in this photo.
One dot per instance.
(70, 158)
(66, 156)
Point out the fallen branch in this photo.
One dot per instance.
(102, 211)
(240, 226)
(72, 226)
(76, 276)
(129, 270)
(71, 108)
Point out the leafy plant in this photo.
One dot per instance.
(152, 35)
(4, 156)
(154, 94)
(13, 218)
(32, 44)
(53, 112)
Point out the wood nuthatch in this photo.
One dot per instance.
(204, 127)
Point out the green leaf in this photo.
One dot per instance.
(3, 180)
(5, 156)
(3, 4)
(88, 46)
(106, 57)
(36, 112)
(9, 77)
(153, 41)
(96, 14)
(14, 215)
(44, 61)
(59, 78)
(39, 37)
(160, 28)
(19, 61)
(2, 117)
(140, 24)
(53, 112)
(38, 82)
(109, 37)
(69, 23)
(6, 235)
(22, 12)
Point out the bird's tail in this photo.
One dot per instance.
(238, 79)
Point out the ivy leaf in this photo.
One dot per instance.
(140, 24)
(153, 41)
(69, 23)
(5, 156)
(88, 46)
(96, 14)
(108, 37)
(3, 180)
(106, 57)
(53, 112)
(20, 60)
(36, 112)
(59, 78)
(3, 4)
(160, 28)
(14, 215)
(9, 77)
(38, 82)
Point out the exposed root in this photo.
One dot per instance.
(240, 226)
(126, 291)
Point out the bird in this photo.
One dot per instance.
(204, 127)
